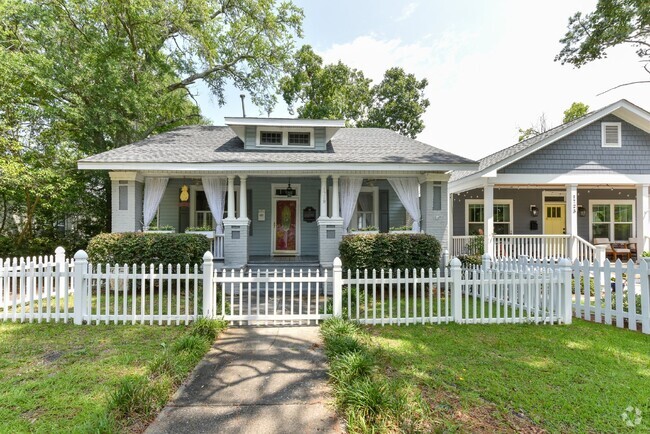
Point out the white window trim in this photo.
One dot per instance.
(375, 208)
(194, 189)
(469, 202)
(285, 137)
(611, 204)
(603, 126)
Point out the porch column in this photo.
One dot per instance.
(488, 219)
(642, 218)
(572, 220)
(231, 197)
(335, 197)
(323, 196)
(243, 204)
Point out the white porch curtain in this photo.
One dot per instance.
(407, 190)
(350, 188)
(215, 193)
(154, 189)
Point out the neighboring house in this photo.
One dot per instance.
(279, 187)
(555, 193)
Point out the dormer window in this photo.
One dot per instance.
(299, 138)
(271, 138)
(611, 134)
(285, 137)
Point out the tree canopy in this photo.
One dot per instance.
(614, 22)
(82, 76)
(337, 91)
(577, 110)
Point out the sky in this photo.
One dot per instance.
(490, 64)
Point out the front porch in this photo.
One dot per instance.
(577, 221)
(278, 221)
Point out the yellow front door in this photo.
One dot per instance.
(554, 218)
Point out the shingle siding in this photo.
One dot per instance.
(582, 153)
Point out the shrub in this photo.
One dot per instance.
(592, 289)
(467, 260)
(390, 251)
(349, 366)
(208, 328)
(144, 248)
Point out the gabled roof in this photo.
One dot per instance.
(623, 109)
(214, 144)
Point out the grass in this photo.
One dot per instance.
(95, 378)
(486, 378)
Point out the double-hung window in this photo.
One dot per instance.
(502, 217)
(612, 220)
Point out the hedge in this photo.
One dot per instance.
(144, 248)
(389, 251)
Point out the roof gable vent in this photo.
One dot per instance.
(611, 134)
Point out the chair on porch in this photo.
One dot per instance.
(632, 245)
(611, 251)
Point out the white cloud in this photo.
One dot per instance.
(407, 11)
(480, 95)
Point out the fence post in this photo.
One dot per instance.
(565, 290)
(601, 255)
(486, 261)
(208, 290)
(457, 290)
(80, 271)
(59, 265)
(445, 262)
(337, 283)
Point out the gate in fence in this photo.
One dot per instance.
(56, 289)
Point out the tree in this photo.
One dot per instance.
(81, 77)
(337, 91)
(614, 22)
(535, 129)
(577, 110)
(398, 103)
(333, 91)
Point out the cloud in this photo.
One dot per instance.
(407, 11)
(480, 94)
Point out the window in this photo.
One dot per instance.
(123, 196)
(200, 214)
(611, 134)
(286, 137)
(366, 212)
(299, 139)
(614, 221)
(437, 196)
(271, 138)
(502, 217)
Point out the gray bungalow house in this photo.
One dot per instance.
(279, 189)
(561, 192)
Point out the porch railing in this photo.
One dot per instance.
(533, 246)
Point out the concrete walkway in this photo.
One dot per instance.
(255, 380)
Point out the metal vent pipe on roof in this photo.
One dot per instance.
(243, 109)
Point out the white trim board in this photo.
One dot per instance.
(611, 202)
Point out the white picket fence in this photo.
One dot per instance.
(57, 289)
(36, 288)
(518, 294)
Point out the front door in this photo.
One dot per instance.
(285, 224)
(554, 218)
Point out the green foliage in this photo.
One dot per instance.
(142, 248)
(476, 245)
(351, 365)
(390, 251)
(366, 229)
(592, 289)
(401, 228)
(469, 260)
(398, 103)
(161, 228)
(337, 91)
(83, 77)
(535, 129)
(134, 397)
(199, 229)
(208, 328)
(577, 110)
(614, 22)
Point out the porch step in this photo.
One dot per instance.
(281, 264)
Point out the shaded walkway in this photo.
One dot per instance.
(255, 380)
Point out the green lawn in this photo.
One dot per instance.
(57, 377)
(485, 378)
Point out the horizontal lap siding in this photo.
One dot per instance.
(581, 152)
(168, 208)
